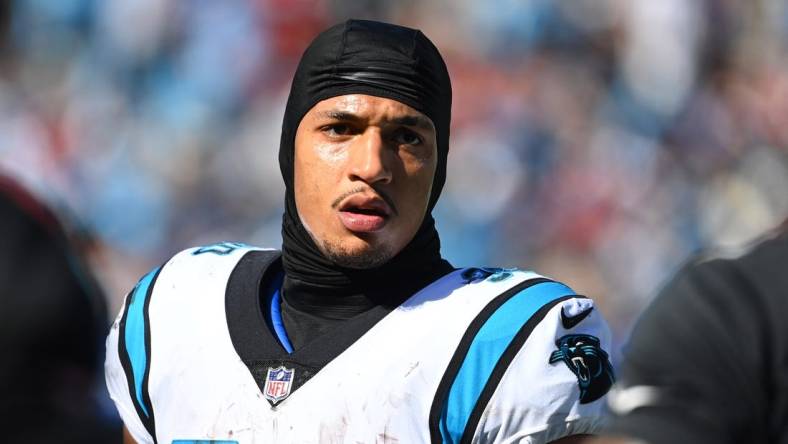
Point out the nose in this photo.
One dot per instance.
(369, 159)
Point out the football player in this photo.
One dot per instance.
(357, 330)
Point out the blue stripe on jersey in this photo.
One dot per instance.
(135, 335)
(276, 320)
(486, 349)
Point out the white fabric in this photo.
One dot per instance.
(533, 392)
(378, 390)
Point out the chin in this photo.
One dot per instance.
(357, 254)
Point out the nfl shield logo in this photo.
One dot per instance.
(278, 383)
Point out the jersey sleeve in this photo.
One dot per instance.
(127, 362)
(556, 382)
(129, 354)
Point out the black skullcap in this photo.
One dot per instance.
(378, 59)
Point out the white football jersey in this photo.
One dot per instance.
(480, 355)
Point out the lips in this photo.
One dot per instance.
(364, 214)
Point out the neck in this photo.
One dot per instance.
(312, 281)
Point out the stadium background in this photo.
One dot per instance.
(599, 141)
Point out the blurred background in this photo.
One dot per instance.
(602, 142)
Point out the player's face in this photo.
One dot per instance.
(363, 173)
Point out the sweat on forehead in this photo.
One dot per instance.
(373, 58)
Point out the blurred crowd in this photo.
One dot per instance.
(598, 141)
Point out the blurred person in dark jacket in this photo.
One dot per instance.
(52, 323)
(708, 360)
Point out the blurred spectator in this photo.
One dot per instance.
(52, 322)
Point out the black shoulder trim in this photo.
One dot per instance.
(456, 361)
(245, 316)
(125, 359)
(151, 425)
(123, 354)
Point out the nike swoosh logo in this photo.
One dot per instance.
(571, 321)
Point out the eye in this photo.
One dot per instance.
(337, 129)
(405, 136)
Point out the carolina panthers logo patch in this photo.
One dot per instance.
(491, 273)
(585, 357)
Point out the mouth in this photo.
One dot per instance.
(364, 214)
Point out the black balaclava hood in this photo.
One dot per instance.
(378, 59)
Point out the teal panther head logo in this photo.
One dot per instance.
(583, 355)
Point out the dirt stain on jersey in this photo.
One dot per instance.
(385, 438)
(411, 368)
(333, 432)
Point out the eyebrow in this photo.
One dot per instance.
(414, 120)
(338, 115)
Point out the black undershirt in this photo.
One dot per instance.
(308, 311)
(303, 325)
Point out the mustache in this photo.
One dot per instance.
(386, 198)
